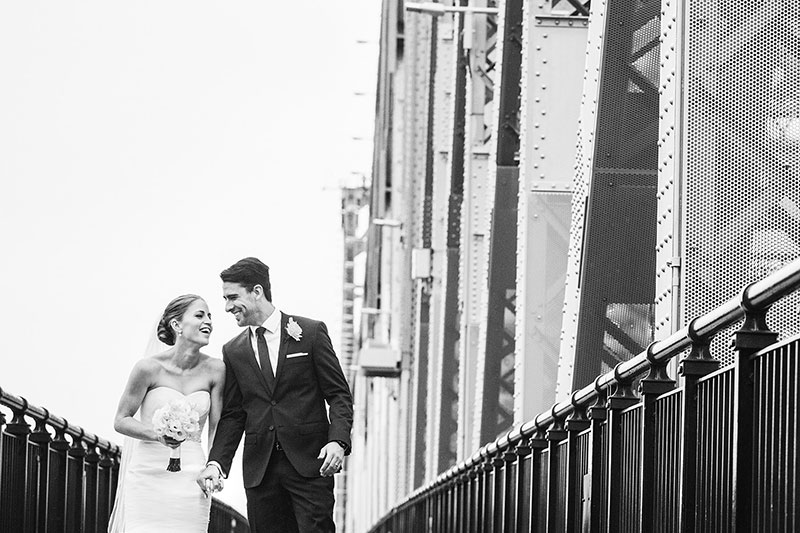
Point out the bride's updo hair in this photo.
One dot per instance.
(174, 311)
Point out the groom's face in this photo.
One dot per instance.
(240, 302)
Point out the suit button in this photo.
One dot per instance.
(272, 428)
(273, 402)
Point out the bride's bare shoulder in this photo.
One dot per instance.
(149, 365)
(213, 363)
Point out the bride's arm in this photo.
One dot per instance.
(217, 387)
(131, 400)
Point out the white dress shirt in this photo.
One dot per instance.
(273, 337)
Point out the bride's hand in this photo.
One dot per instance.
(169, 441)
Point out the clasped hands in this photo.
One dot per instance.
(210, 480)
(332, 455)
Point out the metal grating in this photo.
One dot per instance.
(539, 496)
(742, 213)
(582, 448)
(714, 508)
(630, 501)
(558, 494)
(668, 460)
(524, 503)
(617, 285)
(776, 464)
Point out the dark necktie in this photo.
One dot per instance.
(263, 356)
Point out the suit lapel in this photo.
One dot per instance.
(284, 346)
(246, 348)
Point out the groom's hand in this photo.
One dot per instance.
(210, 480)
(332, 456)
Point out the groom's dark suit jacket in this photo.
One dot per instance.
(292, 411)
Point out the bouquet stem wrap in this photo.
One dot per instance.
(174, 460)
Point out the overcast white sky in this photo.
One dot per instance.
(144, 147)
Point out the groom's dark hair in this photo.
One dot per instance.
(248, 273)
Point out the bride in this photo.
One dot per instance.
(149, 497)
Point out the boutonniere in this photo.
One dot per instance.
(294, 330)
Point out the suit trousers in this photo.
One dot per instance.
(286, 502)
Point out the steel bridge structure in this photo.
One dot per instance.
(561, 191)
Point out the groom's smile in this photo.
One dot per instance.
(240, 302)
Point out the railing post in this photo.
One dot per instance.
(115, 464)
(104, 490)
(523, 492)
(510, 458)
(4, 525)
(538, 504)
(575, 425)
(57, 481)
(38, 440)
(435, 506)
(14, 460)
(75, 484)
(651, 387)
(458, 520)
(463, 501)
(473, 509)
(752, 337)
(555, 508)
(488, 496)
(594, 502)
(452, 507)
(438, 496)
(622, 398)
(499, 493)
(695, 365)
(90, 489)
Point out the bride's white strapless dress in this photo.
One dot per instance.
(152, 499)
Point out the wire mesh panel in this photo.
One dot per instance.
(618, 258)
(776, 433)
(668, 460)
(742, 110)
(714, 452)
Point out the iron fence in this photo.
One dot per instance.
(57, 477)
(634, 452)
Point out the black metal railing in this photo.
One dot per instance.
(57, 477)
(634, 452)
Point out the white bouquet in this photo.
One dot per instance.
(179, 421)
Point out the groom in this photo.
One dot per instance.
(281, 371)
